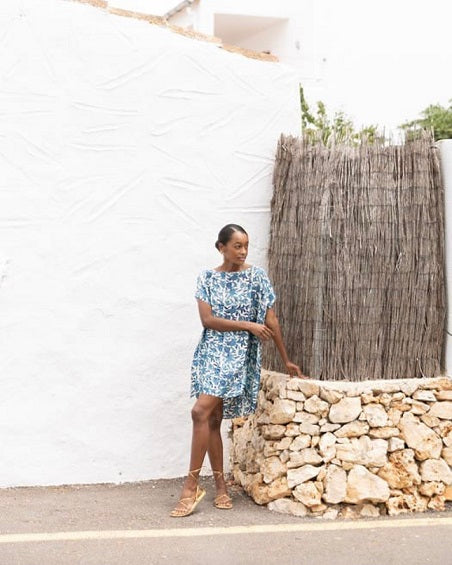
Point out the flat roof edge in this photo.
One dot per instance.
(160, 21)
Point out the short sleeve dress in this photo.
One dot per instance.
(228, 364)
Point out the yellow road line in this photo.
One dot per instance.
(223, 531)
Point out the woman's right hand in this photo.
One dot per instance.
(261, 331)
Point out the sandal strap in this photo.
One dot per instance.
(225, 497)
(191, 473)
(190, 498)
(181, 501)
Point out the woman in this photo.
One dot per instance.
(235, 302)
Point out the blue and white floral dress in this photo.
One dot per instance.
(228, 364)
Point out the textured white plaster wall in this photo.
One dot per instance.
(124, 148)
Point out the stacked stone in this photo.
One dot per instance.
(337, 449)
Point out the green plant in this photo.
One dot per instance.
(338, 128)
(435, 118)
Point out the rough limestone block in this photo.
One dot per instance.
(318, 509)
(278, 489)
(436, 470)
(296, 395)
(308, 388)
(385, 432)
(293, 383)
(292, 429)
(329, 427)
(330, 513)
(394, 416)
(440, 383)
(376, 415)
(302, 474)
(352, 429)
(263, 418)
(272, 468)
(284, 456)
(283, 444)
(363, 451)
(395, 443)
(310, 429)
(442, 410)
(288, 506)
(421, 438)
(283, 411)
(430, 489)
(406, 502)
(443, 395)
(401, 471)
(369, 511)
(259, 493)
(274, 382)
(306, 417)
(409, 387)
(446, 454)
(335, 482)
(308, 456)
(430, 421)
(419, 407)
(448, 493)
(308, 494)
(275, 431)
(269, 450)
(330, 396)
(346, 410)
(349, 512)
(444, 428)
(424, 395)
(300, 442)
(363, 486)
(327, 440)
(437, 503)
(315, 405)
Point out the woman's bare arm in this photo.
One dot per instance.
(212, 322)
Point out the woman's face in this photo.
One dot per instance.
(236, 249)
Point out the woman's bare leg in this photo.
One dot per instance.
(201, 413)
(215, 448)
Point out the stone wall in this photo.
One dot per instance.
(337, 449)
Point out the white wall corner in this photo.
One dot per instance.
(445, 148)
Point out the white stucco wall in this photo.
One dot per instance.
(124, 148)
(445, 147)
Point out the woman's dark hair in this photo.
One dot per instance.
(226, 233)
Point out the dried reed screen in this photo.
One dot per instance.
(356, 258)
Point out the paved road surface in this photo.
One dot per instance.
(129, 525)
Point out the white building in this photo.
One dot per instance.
(380, 62)
(287, 28)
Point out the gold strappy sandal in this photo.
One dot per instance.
(222, 501)
(189, 503)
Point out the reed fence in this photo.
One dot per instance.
(356, 256)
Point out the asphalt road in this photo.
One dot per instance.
(129, 524)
